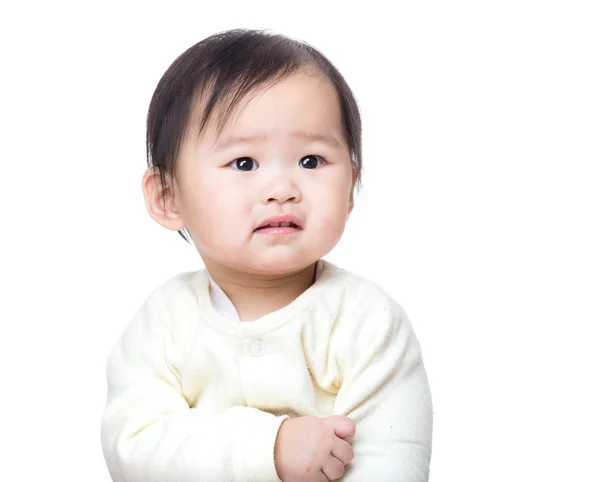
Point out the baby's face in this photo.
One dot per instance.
(283, 156)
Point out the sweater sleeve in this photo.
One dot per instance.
(150, 433)
(384, 389)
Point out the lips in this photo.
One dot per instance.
(284, 221)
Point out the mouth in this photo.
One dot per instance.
(280, 225)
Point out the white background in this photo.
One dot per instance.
(480, 213)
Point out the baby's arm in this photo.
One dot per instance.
(386, 392)
(150, 433)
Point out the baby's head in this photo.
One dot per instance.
(254, 150)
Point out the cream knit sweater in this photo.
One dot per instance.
(194, 396)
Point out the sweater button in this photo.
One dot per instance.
(258, 348)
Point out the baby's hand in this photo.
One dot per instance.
(313, 449)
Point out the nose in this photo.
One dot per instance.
(281, 190)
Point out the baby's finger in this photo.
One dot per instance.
(333, 468)
(342, 451)
(343, 427)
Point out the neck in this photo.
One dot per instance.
(254, 295)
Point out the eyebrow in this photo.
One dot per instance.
(252, 139)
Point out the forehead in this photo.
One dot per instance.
(302, 102)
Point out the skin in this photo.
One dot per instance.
(221, 206)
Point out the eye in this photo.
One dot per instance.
(311, 161)
(244, 164)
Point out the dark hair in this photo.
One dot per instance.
(224, 68)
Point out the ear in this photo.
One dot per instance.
(160, 202)
(351, 201)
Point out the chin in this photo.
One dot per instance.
(280, 264)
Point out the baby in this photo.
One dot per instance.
(270, 364)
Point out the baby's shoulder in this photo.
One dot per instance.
(361, 293)
(364, 303)
(181, 284)
(368, 315)
(177, 294)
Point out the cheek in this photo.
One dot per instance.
(217, 216)
(332, 225)
(332, 219)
